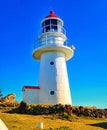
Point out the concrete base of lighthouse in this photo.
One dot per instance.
(53, 79)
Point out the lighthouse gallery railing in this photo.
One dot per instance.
(46, 41)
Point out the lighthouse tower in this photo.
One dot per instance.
(53, 52)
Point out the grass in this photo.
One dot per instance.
(29, 122)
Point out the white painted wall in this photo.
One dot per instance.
(52, 39)
(3, 126)
(54, 78)
(30, 96)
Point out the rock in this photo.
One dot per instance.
(9, 98)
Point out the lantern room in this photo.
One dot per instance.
(52, 23)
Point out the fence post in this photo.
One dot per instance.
(40, 125)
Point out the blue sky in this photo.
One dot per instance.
(85, 22)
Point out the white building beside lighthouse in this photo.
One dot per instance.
(52, 51)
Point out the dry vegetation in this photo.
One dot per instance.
(55, 117)
(29, 122)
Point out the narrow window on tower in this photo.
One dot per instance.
(52, 92)
(51, 63)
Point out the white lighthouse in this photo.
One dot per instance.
(52, 51)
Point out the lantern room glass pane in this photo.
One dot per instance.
(47, 25)
(54, 24)
(59, 23)
(47, 22)
(53, 21)
(43, 24)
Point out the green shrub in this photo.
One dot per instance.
(63, 111)
(23, 107)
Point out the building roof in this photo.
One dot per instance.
(31, 87)
(52, 15)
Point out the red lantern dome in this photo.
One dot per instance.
(52, 15)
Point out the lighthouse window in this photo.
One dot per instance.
(54, 24)
(43, 24)
(51, 63)
(47, 22)
(47, 25)
(52, 92)
(59, 23)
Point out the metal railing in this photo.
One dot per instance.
(46, 41)
(53, 28)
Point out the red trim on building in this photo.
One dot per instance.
(31, 87)
(52, 15)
